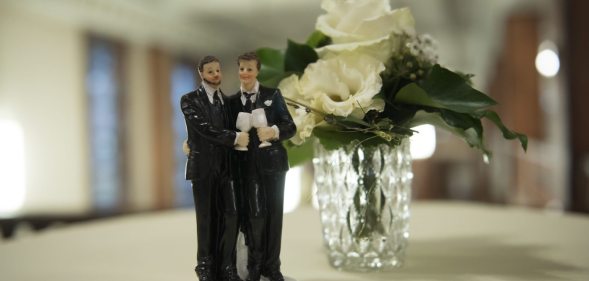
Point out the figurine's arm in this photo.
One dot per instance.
(194, 115)
(231, 111)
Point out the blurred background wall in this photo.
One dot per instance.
(89, 91)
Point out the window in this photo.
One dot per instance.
(183, 81)
(103, 87)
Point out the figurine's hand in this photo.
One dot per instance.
(185, 147)
(243, 139)
(266, 133)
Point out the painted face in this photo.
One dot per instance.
(248, 72)
(211, 73)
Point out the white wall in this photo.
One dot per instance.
(41, 87)
(42, 76)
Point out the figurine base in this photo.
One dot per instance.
(241, 260)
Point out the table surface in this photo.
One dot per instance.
(449, 241)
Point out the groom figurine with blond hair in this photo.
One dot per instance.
(261, 171)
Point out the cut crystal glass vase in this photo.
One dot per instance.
(364, 195)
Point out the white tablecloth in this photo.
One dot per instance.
(449, 241)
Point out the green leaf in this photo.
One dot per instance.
(444, 89)
(351, 121)
(391, 83)
(270, 78)
(298, 56)
(508, 134)
(448, 102)
(299, 154)
(317, 40)
(459, 125)
(333, 138)
(399, 113)
(453, 92)
(413, 94)
(462, 120)
(272, 70)
(277, 65)
(271, 59)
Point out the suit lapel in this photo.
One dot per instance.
(264, 95)
(203, 100)
(202, 94)
(235, 104)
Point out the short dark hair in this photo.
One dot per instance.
(205, 60)
(250, 56)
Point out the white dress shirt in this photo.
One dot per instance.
(256, 91)
(211, 91)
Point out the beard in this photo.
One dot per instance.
(216, 84)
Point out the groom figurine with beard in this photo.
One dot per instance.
(262, 171)
(208, 167)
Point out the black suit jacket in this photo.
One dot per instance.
(270, 159)
(209, 145)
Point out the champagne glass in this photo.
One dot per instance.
(244, 124)
(259, 121)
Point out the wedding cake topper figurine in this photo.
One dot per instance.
(261, 170)
(208, 167)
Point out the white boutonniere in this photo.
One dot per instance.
(268, 102)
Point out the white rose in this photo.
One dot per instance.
(304, 120)
(343, 84)
(367, 26)
(290, 87)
